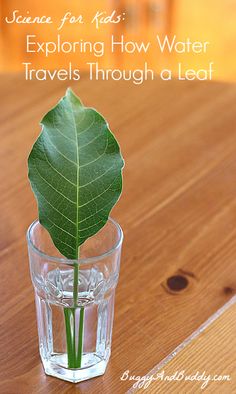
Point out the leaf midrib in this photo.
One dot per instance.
(77, 178)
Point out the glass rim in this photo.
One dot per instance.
(85, 260)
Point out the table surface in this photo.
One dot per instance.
(178, 212)
(203, 362)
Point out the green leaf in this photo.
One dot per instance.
(75, 171)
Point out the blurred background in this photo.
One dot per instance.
(202, 20)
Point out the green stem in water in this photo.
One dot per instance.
(81, 334)
(69, 337)
(76, 284)
(74, 355)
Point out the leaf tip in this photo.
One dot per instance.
(72, 96)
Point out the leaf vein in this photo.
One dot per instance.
(100, 176)
(93, 225)
(67, 198)
(71, 161)
(54, 168)
(48, 202)
(90, 142)
(95, 213)
(99, 157)
(60, 228)
(87, 128)
(64, 135)
(99, 195)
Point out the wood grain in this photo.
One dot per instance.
(210, 354)
(178, 212)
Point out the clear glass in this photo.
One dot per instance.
(75, 342)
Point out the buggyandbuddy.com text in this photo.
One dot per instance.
(201, 377)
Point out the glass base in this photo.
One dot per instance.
(56, 367)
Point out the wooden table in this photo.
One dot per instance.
(178, 212)
(194, 364)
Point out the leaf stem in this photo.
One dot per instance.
(70, 354)
(81, 334)
(76, 284)
(74, 355)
